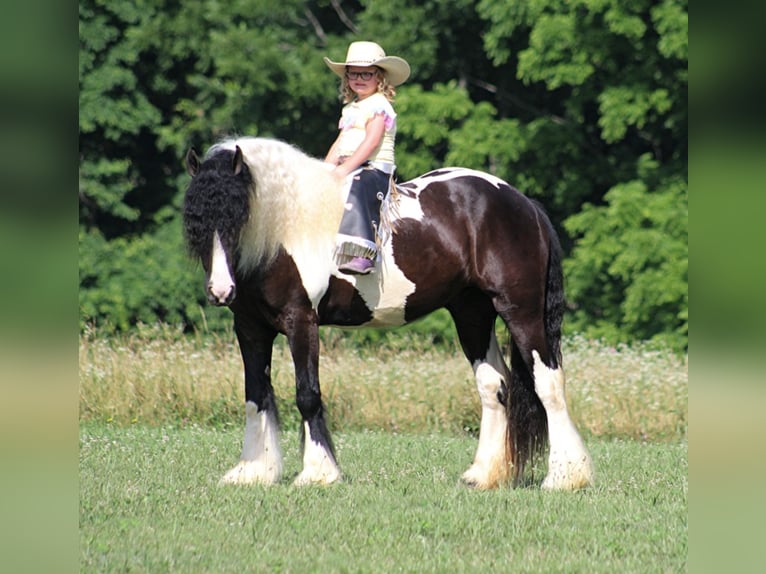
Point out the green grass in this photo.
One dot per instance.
(149, 502)
(162, 418)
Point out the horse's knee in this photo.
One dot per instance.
(309, 402)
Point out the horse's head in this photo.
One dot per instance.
(216, 207)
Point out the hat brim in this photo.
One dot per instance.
(397, 70)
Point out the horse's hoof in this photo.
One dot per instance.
(472, 479)
(306, 479)
(566, 483)
(250, 472)
(469, 482)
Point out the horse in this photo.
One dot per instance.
(261, 217)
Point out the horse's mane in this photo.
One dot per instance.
(295, 201)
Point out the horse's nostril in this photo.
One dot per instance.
(220, 297)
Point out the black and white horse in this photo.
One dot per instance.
(262, 218)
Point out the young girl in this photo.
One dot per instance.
(363, 153)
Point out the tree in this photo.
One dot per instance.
(581, 104)
(628, 275)
(618, 72)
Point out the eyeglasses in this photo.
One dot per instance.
(359, 75)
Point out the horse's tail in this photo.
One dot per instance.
(527, 421)
(554, 294)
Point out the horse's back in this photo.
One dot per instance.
(457, 228)
(467, 209)
(467, 192)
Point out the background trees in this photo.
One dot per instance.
(581, 104)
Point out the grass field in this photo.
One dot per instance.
(150, 503)
(161, 420)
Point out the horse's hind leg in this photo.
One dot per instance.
(261, 459)
(569, 463)
(474, 320)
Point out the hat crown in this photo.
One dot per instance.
(364, 53)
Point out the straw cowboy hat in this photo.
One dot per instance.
(370, 54)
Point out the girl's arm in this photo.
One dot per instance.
(373, 136)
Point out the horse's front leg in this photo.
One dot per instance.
(261, 460)
(319, 465)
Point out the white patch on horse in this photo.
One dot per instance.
(385, 291)
(318, 464)
(451, 173)
(261, 460)
(569, 463)
(220, 284)
(403, 205)
(315, 267)
(490, 465)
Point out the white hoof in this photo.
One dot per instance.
(319, 466)
(481, 478)
(324, 477)
(570, 475)
(251, 472)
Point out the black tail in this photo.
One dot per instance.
(554, 295)
(527, 421)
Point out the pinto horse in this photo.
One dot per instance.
(261, 216)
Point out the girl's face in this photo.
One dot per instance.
(363, 80)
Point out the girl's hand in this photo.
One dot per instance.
(342, 170)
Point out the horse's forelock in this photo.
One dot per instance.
(217, 200)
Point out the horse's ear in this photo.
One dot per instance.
(238, 162)
(192, 162)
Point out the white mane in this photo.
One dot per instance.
(296, 202)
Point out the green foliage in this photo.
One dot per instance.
(552, 56)
(568, 101)
(142, 280)
(103, 187)
(624, 106)
(628, 273)
(446, 128)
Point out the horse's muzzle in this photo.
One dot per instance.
(220, 295)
